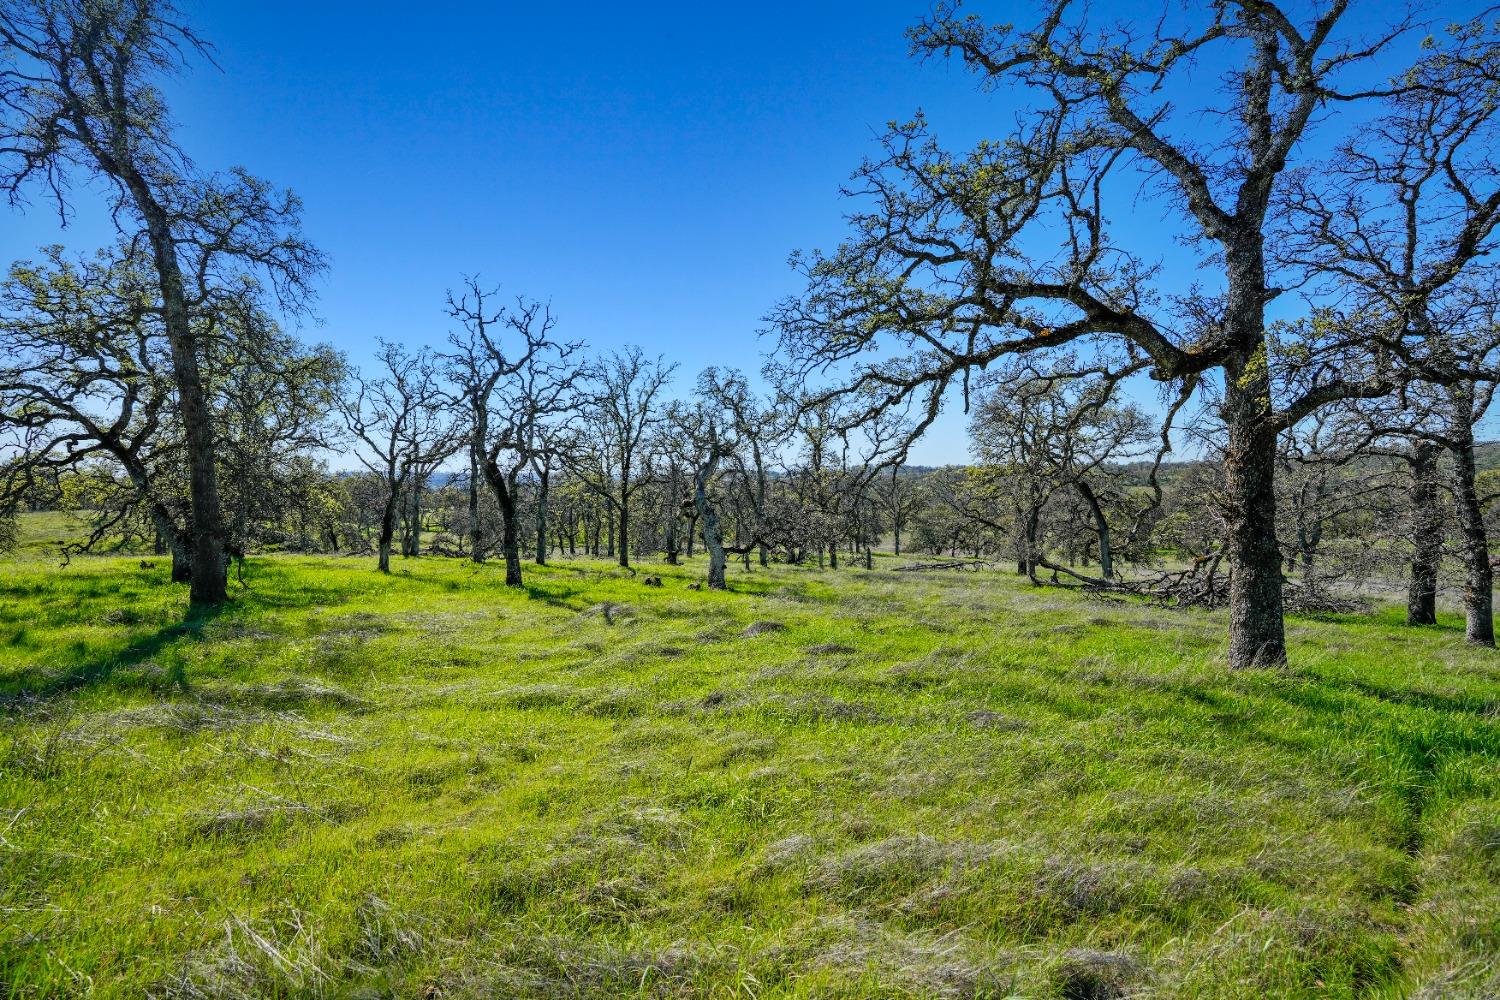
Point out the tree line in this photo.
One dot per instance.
(1324, 337)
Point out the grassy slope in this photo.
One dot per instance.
(427, 785)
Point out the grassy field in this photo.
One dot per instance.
(853, 784)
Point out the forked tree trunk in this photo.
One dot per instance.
(1257, 632)
(1426, 536)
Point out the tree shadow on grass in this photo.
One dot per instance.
(35, 685)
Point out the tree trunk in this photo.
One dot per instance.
(388, 528)
(476, 532)
(1479, 578)
(510, 537)
(413, 546)
(674, 506)
(1426, 536)
(624, 525)
(1101, 526)
(713, 533)
(210, 575)
(543, 485)
(1257, 632)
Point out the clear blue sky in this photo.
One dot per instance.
(646, 167)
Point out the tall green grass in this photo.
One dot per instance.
(851, 784)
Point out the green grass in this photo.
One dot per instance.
(919, 785)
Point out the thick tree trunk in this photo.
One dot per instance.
(1257, 633)
(413, 544)
(388, 530)
(713, 532)
(1426, 536)
(510, 541)
(503, 487)
(182, 565)
(1479, 578)
(624, 524)
(476, 531)
(210, 577)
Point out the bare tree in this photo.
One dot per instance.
(622, 409)
(1401, 222)
(761, 429)
(1055, 429)
(78, 99)
(941, 277)
(709, 436)
(402, 420)
(511, 395)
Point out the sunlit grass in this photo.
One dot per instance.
(821, 784)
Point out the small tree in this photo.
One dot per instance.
(400, 420)
(1056, 429)
(621, 409)
(511, 394)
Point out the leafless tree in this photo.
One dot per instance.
(78, 99)
(1401, 222)
(512, 394)
(1055, 429)
(942, 275)
(622, 407)
(709, 435)
(400, 420)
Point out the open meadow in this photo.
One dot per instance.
(819, 784)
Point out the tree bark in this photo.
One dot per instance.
(476, 532)
(1257, 632)
(1101, 527)
(624, 523)
(1426, 536)
(510, 537)
(1479, 578)
(543, 487)
(388, 528)
(413, 545)
(210, 569)
(713, 532)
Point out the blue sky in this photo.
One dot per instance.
(647, 168)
